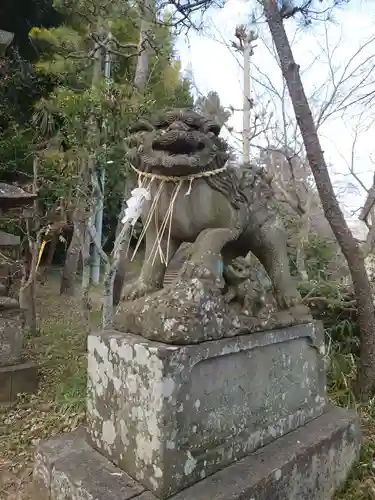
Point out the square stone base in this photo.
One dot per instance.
(11, 334)
(309, 463)
(171, 415)
(16, 379)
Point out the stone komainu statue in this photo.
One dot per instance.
(225, 212)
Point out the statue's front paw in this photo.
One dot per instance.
(229, 296)
(138, 289)
(195, 270)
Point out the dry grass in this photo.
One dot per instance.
(59, 405)
(361, 482)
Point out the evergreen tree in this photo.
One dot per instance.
(67, 53)
(91, 115)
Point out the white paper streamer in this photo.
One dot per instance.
(135, 204)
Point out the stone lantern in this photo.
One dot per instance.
(16, 375)
(6, 38)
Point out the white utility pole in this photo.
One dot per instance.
(245, 38)
(101, 180)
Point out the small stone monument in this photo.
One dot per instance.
(16, 375)
(212, 387)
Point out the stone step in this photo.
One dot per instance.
(170, 277)
(175, 264)
(309, 463)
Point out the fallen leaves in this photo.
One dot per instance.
(59, 404)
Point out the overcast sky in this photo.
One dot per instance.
(215, 68)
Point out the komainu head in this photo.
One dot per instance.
(178, 142)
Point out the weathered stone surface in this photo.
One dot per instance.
(8, 303)
(306, 464)
(17, 379)
(194, 310)
(66, 467)
(9, 240)
(11, 332)
(194, 197)
(172, 415)
(13, 196)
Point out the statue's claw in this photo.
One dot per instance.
(229, 296)
(137, 289)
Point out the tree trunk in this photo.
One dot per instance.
(51, 250)
(86, 268)
(121, 261)
(140, 82)
(144, 47)
(27, 292)
(110, 289)
(68, 278)
(303, 238)
(49, 259)
(349, 246)
(301, 261)
(97, 175)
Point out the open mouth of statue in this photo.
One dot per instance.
(175, 144)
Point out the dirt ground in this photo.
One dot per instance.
(59, 405)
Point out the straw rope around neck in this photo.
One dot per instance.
(145, 180)
(178, 178)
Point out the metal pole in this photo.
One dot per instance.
(101, 182)
(248, 51)
(246, 102)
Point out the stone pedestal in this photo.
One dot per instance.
(16, 379)
(234, 419)
(171, 415)
(11, 331)
(309, 463)
(16, 376)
